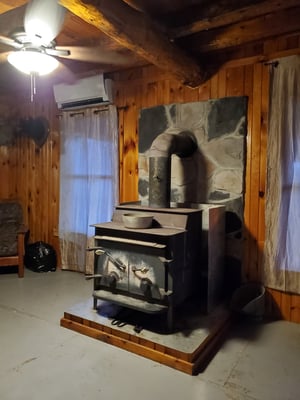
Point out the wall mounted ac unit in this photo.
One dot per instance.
(87, 91)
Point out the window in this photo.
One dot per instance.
(282, 251)
(88, 181)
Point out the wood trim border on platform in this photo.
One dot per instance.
(190, 363)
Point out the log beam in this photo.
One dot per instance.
(136, 5)
(7, 5)
(136, 32)
(232, 16)
(285, 22)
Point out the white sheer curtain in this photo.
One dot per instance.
(88, 181)
(282, 250)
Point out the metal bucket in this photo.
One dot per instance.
(249, 299)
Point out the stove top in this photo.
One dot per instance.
(166, 221)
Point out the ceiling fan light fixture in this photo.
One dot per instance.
(32, 62)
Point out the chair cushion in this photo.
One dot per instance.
(8, 245)
(10, 211)
(10, 223)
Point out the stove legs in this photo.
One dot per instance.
(170, 318)
(95, 301)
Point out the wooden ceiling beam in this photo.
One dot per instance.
(7, 5)
(286, 22)
(135, 4)
(136, 32)
(232, 16)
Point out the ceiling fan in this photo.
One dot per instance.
(35, 50)
(35, 45)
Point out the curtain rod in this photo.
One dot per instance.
(81, 112)
(102, 109)
(272, 63)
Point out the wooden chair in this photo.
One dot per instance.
(13, 235)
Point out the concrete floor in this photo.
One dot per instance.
(41, 360)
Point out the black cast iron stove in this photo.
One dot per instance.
(151, 270)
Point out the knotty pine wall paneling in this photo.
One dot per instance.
(30, 173)
(254, 150)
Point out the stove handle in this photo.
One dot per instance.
(100, 251)
(142, 270)
(94, 249)
(88, 277)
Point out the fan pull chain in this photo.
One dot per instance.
(32, 86)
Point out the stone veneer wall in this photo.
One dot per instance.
(214, 174)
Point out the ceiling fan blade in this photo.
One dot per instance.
(57, 52)
(96, 55)
(10, 42)
(43, 20)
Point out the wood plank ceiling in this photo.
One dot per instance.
(183, 37)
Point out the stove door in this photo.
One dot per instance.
(147, 276)
(134, 268)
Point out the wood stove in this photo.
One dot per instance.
(152, 270)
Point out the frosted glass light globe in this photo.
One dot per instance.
(32, 62)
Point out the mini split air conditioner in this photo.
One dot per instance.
(84, 92)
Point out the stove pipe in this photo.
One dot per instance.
(183, 144)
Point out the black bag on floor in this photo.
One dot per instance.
(40, 257)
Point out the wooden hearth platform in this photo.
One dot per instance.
(195, 340)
